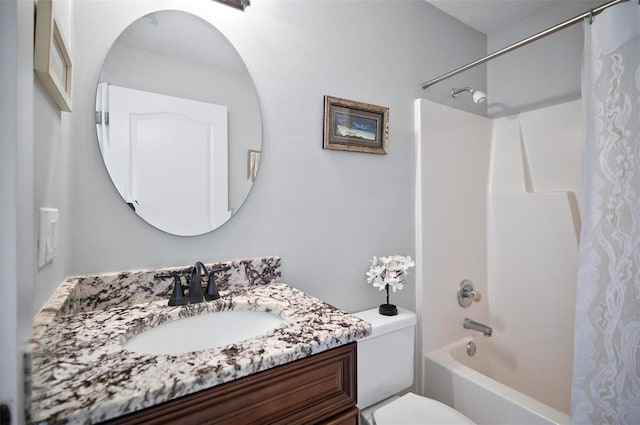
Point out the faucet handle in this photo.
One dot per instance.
(177, 296)
(211, 293)
(167, 274)
(473, 295)
(467, 294)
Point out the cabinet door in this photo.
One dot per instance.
(350, 417)
(314, 390)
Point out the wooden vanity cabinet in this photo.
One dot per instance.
(319, 389)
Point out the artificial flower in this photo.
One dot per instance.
(389, 272)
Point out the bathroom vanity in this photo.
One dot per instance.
(78, 370)
(320, 389)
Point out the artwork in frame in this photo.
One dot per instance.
(52, 61)
(355, 126)
(238, 4)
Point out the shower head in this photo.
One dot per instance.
(477, 95)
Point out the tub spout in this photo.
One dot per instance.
(475, 326)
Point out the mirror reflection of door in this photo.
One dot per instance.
(168, 157)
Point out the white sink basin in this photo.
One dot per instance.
(203, 332)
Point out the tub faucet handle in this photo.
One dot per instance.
(475, 296)
(467, 294)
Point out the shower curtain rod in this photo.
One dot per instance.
(548, 31)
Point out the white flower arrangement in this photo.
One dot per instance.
(386, 272)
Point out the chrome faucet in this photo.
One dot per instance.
(195, 283)
(475, 326)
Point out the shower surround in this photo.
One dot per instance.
(498, 204)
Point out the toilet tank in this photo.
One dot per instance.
(385, 358)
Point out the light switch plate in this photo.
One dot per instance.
(48, 235)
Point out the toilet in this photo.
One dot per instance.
(386, 367)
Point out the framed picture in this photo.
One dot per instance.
(52, 61)
(253, 162)
(238, 4)
(355, 126)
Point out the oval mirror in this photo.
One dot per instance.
(178, 122)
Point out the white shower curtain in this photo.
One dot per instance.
(606, 370)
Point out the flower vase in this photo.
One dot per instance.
(388, 309)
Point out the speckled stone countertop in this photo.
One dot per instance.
(78, 372)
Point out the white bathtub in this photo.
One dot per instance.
(464, 383)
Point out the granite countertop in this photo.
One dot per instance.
(78, 371)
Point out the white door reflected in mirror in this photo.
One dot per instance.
(177, 117)
(170, 162)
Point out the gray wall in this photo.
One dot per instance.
(51, 170)
(544, 73)
(17, 272)
(52, 142)
(325, 212)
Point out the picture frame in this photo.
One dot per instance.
(52, 60)
(238, 4)
(355, 126)
(253, 162)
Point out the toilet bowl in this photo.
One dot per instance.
(385, 369)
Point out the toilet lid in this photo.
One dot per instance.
(412, 409)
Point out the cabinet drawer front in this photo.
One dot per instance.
(317, 389)
(349, 417)
(309, 390)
